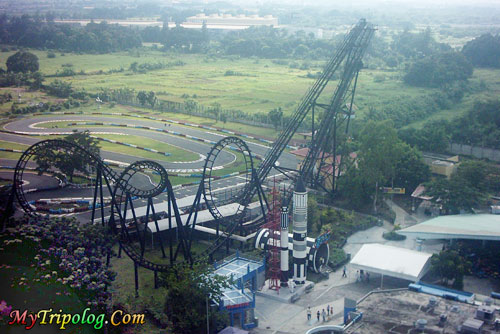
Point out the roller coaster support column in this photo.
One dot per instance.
(9, 209)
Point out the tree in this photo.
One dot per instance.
(142, 97)
(69, 162)
(276, 117)
(391, 61)
(59, 88)
(199, 286)
(433, 137)
(475, 174)
(22, 62)
(410, 170)
(215, 109)
(449, 265)
(151, 99)
(353, 186)
(453, 195)
(204, 31)
(133, 66)
(223, 118)
(483, 51)
(438, 70)
(380, 150)
(37, 81)
(190, 105)
(312, 214)
(487, 111)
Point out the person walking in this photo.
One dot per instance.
(367, 277)
(344, 273)
(309, 313)
(328, 310)
(317, 315)
(291, 286)
(323, 314)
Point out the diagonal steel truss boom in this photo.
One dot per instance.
(351, 50)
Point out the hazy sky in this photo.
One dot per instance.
(372, 3)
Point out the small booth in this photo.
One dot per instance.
(239, 298)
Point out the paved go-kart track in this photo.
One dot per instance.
(36, 124)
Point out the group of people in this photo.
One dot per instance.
(361, 276)
(323, 314)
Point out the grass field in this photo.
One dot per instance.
(262, 85)
(11, 155)
(177, 154)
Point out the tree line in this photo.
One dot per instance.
(34, 32)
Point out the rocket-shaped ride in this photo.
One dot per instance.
(284, 246)
(299, 232)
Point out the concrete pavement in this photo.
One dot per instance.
(281, 318)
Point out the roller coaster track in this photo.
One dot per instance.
(123, 192)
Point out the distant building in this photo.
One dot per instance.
(441, 164)
(230, 20)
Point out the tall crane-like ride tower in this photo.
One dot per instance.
(337, 109)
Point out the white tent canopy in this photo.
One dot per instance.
(392, 261)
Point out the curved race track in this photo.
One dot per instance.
(29, 126)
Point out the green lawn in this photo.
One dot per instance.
(11, 155)
(177, 154)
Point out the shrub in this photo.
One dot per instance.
(393, 235)
(22, 62)
(379, 78)
(51, 54)
(70, 253)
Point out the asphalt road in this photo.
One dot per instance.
(32, 180)
(286, 159)
(224, 187)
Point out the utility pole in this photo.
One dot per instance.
(208, 324)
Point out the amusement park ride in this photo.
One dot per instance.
(132, 231)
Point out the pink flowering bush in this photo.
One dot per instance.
(4, 312)
(72, 253)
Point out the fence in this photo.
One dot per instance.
(475, 151)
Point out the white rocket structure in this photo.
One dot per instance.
(299, 233)
(284, 246)
(304, 252)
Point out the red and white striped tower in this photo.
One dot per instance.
(273, 224)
